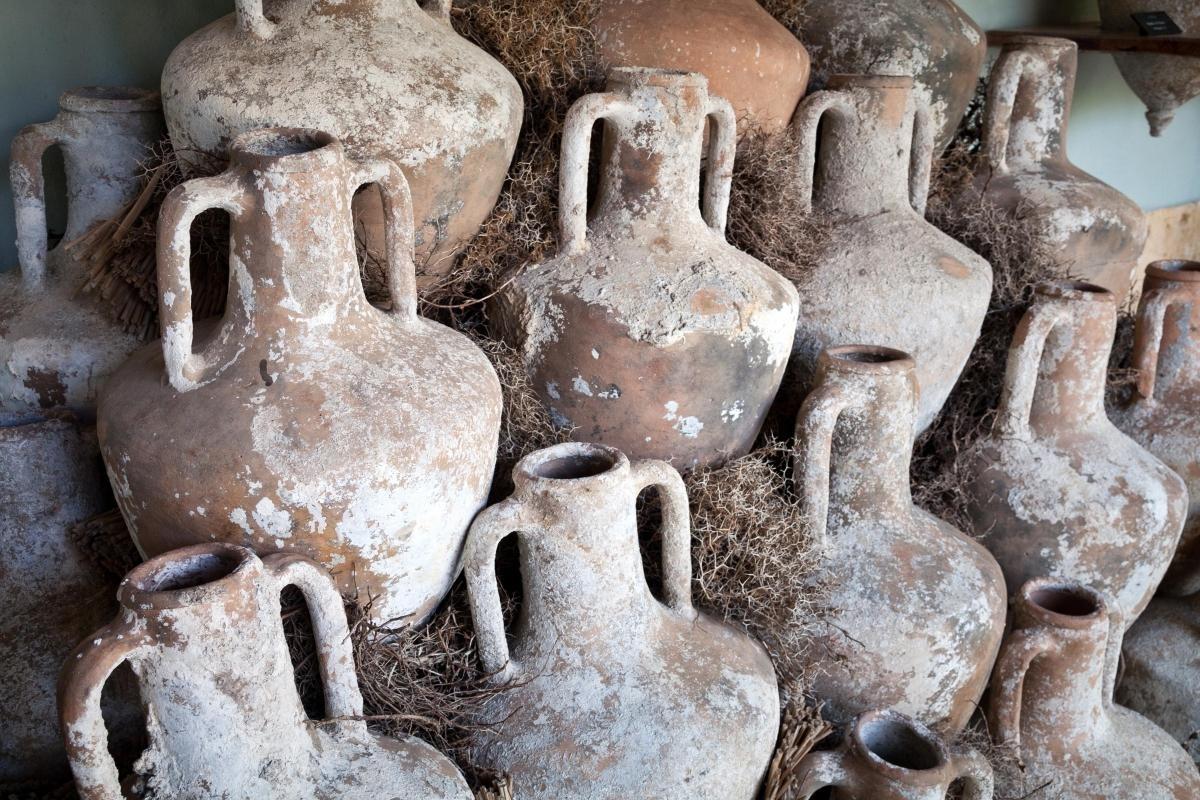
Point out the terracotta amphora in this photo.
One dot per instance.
(1092, 231)
(888, 756)
(866, 157)
(914, 610)
(935, 41)
(1164, 83)
(1164, 414)
(1055, 488)
(388, 77)
(612, 693)
(1051, 705)
(748, 57)
(1161, 675)
(304, 420)
(50, 478)
(648, 331)
(202, 629)
(57, 348)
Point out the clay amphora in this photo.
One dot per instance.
(1056, 489)
(883, 260)
(648, 332)
(1164, 83)
(57, 348)
(305, 420)
(202, 629)
(388, 77)
(1092, 231)
(914, 609)
(888, 756)
(1164, 415)
(1052, 705)
(935, 41)
(612, 693)
(748, 57)
(1161, 675)
(50, 478)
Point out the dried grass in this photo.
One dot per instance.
(768, 216)
(104, 540)
(754, 561)
(801, 730)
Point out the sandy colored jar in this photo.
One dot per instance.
(305, 419)
(888, 756)
(1164, 83)
(914, 609)
(388, 77)
(748, 57)
(613, 694)
(1161, 675)
(1052, 706)
(648, 331)
(1093, 232)
(1164, 415)
(57, 348)
(934, 41)
(1056, 489)
(865, 161)
(50, 479)
(202, 629)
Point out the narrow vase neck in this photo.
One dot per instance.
(292, 260)
(1072, 375)
(652, 153)
(1041, 109)
(865, 157)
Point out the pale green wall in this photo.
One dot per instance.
(1109, 136)
(47, 46)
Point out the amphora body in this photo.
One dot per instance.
(1056, 489)
(57, 348)
(613, 694)
(867, 171)
(649, 332)
(1164, 414)
(888, 756)
(1161, 675)
(388, 77)
(915, 609)
(1052, 706)
(934, 41)
(1163, 82)
(305, 420)
(202, 629)
(1093, 232)
(748, 57)
(50, 479)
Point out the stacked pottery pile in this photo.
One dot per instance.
(309, 439)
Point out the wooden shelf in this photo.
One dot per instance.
(1089, 37)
